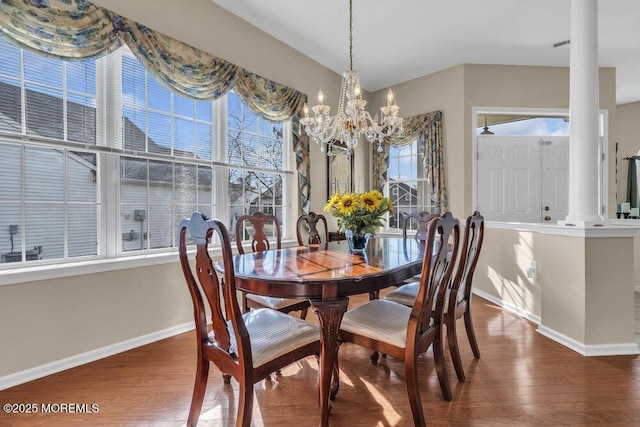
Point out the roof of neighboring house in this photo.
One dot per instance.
(81, 127)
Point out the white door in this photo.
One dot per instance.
(555, 178)
(509, 178)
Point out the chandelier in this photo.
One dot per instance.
(352, 120)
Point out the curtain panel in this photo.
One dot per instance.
(76, 29)
(427, 129)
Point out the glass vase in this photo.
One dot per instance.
(357, 241)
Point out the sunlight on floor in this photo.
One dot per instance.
(392, 417)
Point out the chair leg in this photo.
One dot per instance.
(374, 357)
(441, 368)
(374, 295)
(303, 313)
(413, 390)
(452, 339)
(245, 404)
(468, 324)
(199, 388)
(245, 306)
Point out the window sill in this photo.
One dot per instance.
(14, 276)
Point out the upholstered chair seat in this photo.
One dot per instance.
(273, 334)
(379, 319)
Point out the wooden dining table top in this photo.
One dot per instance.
(306, 271)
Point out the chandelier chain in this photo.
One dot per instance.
(351, 35)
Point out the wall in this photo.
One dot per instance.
(441, 91)
(529, 87)
(70, 316)
(628, 139)
(582, 292)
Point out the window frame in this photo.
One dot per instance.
(395, 195)
(109, 150)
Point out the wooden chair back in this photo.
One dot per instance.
(442, 238)
(422, 220)
(310, 221)
(259, 241)
(470, 251)
(205, 285)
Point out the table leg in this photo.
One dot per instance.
(329, 313)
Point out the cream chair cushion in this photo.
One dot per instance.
(406, 295)
(273, 302)
(379, 319)
(273, 334)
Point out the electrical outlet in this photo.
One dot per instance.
(532, 270)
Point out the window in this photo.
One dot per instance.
(407, 184)
(63, 144)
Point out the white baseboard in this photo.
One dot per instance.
(508, 306)
(620, 349)
(31, 374)
(585, 350)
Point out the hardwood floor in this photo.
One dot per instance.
(522, 379)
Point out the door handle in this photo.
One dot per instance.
(547, 218)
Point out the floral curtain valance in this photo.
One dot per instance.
(76, 29)
(427, 129)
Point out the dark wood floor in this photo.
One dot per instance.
(521, 379)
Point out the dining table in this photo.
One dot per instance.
(327, 274)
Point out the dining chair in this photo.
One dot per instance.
(459, 306)
(406, 332)
(406, 293)
(460, 286)
(260, 241)
(407, 289)
(310, 221)
(247, 347)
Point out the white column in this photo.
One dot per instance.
(584, 207)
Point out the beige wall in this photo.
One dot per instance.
(44, 321)
(582, 289)
(628, 138)
(457, 90)
(70, 316)
(529, 87)
(442, 91)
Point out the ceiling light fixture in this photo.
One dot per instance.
(352, 120)
(486, 130)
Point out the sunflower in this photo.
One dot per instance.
(370, 201)
(376, 194)
(332, 201)
(390, 206)
(348, 204)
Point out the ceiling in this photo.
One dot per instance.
(396, 41)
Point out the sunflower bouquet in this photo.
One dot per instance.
(361, 213)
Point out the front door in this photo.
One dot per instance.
(523, 178)
(555, 178)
